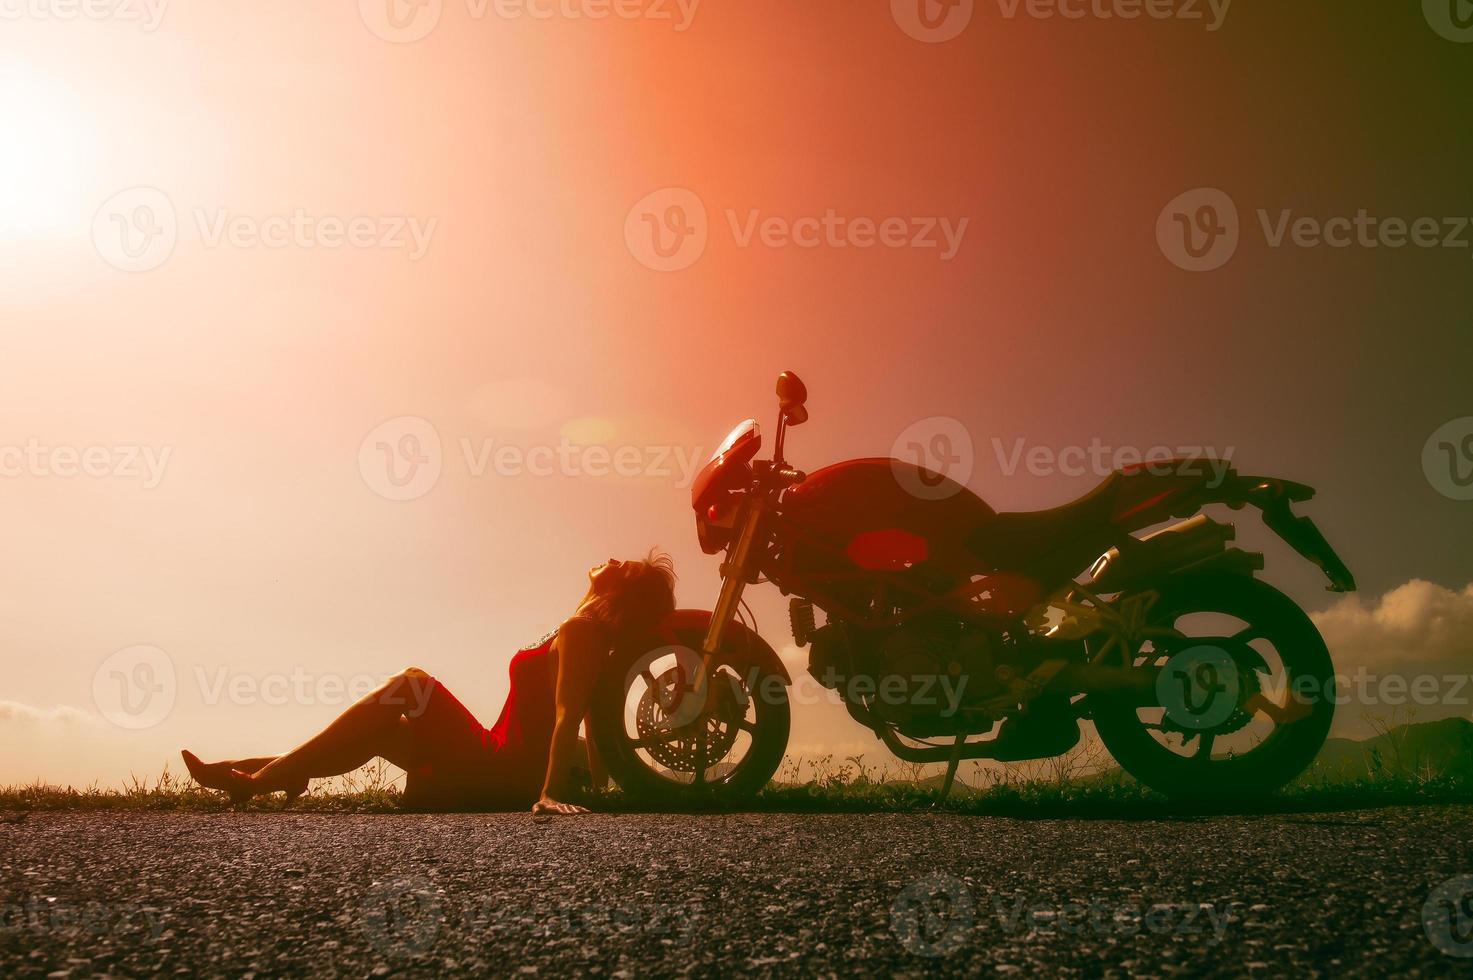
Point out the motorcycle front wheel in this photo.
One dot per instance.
(1245, 692)
(665, 742)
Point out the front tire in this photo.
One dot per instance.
(663, 749)
(1299, 702)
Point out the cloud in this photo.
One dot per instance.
(68, 746)
(1407, 656)
(13, 712)
(1416, 627)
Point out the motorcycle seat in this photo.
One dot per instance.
(1010, 539)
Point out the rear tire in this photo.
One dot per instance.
(1286, 751)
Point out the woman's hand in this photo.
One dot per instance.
(549, 807)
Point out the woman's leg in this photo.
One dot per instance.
(376, 726)
(216, 775)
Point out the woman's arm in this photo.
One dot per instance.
(580, 651)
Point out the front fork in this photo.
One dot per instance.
(738, 569)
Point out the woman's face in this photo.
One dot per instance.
(605, 577)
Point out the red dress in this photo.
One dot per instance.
(457, 763)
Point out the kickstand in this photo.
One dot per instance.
(951, 767)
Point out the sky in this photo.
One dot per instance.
(541, 260)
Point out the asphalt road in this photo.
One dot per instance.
(635, 895)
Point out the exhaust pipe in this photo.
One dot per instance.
(1195, 540)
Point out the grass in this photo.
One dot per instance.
(1047, 790)
(370, 790)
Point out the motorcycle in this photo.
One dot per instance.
(954, 632)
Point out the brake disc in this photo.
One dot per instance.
(678, 748)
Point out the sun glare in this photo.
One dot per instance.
(48, 154)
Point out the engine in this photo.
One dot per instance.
(926, 678)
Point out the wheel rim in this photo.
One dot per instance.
(1268, 724)
(1226, 693)
(674, 734)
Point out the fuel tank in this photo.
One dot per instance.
(882, 514)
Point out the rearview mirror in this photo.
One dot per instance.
(791, 396)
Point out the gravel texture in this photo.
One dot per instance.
(631, 895)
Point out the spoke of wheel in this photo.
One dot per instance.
(1247, 633)
(652, 687)
(1279, 714)
(1204, 747)
(750, 727)
(1169, 632)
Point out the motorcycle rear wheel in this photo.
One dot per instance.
(663, 749)
(1300, 703)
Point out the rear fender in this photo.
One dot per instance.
(1275, 499)
(1152, 493)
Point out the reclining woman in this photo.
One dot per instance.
(452, 761)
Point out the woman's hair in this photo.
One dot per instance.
(642, 598)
